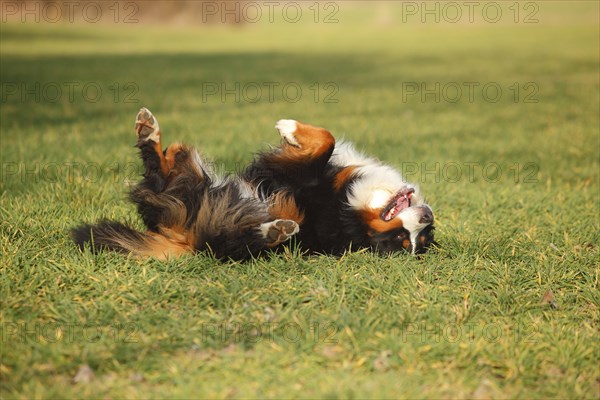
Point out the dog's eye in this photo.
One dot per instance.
(402, 236)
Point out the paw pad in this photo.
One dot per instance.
(146, 126)
(279, 231)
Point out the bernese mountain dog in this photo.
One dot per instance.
(323, 193)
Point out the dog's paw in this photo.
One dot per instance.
(146, 126)
(287, 129)
(279, 231)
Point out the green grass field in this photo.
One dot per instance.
(469, 321)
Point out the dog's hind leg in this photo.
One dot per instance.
(164, 199)
(304, 143)
(305, 148)
(156, 168)
(165, 195)
(300, 160)
(162, 165)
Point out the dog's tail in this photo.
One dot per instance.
(114, 236)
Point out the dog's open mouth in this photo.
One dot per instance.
(399, 202)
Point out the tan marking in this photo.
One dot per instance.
(283, 206)
(164, 166)
(185, 164)
(169, 243)
(372, 217)
(172, 151)
(342, 177)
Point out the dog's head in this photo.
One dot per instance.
(392, 211)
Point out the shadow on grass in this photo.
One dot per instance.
(63, 89)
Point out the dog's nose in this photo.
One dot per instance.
(426, 215)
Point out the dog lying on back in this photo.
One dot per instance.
(327, 195)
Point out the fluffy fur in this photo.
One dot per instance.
(327, 195)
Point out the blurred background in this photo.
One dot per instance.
(487, 78)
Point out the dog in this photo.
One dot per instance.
(325, 194)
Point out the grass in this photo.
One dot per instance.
(465, 322)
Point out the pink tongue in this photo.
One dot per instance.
(401, 203)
